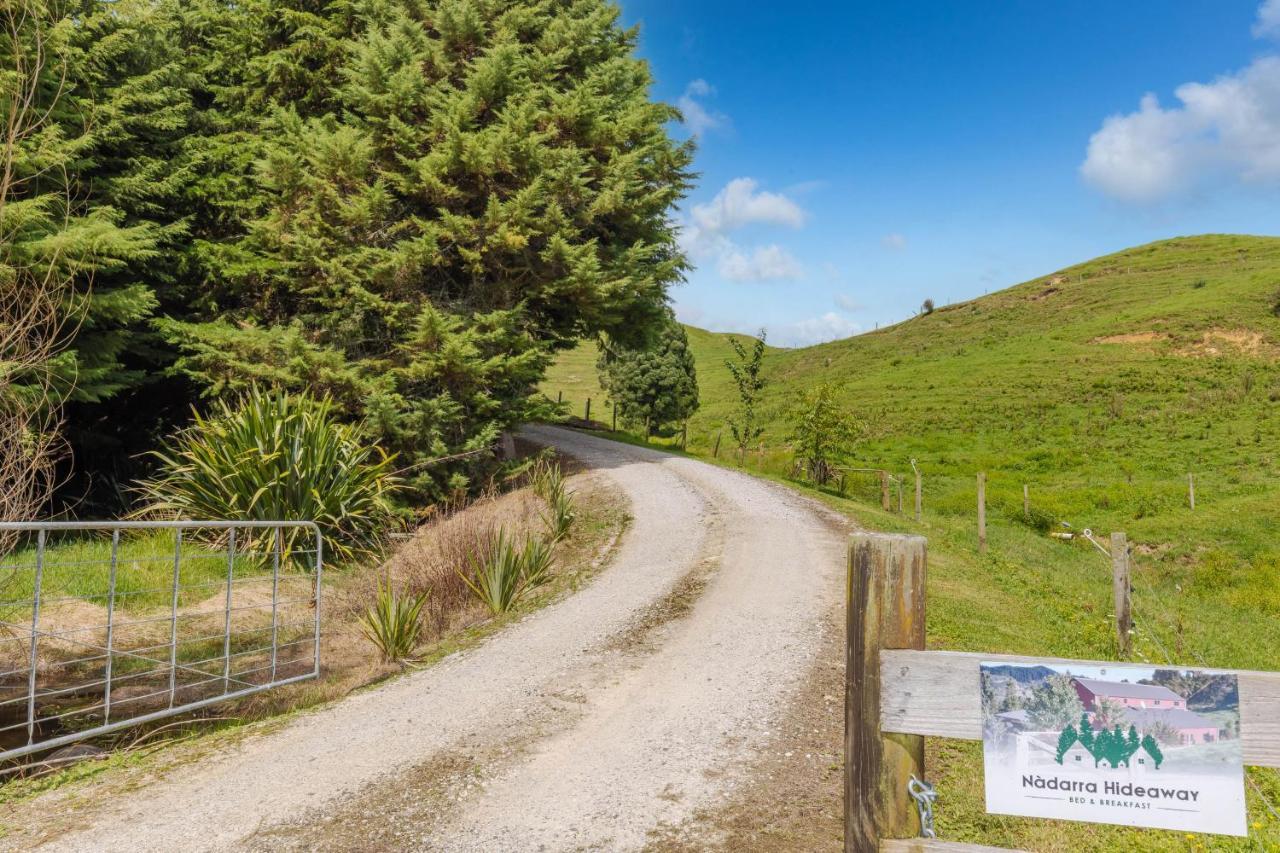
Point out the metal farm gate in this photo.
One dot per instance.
(105, 625)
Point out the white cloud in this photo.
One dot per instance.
(742, 203)
(705, 236)
(1226, 130)
(699, 118)
(813, 330)
(764, 263)
(1267, 24)
(896, 242)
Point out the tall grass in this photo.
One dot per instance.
(277, 457)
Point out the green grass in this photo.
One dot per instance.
(1021, 385)
(78, 566)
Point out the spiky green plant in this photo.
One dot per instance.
(548, 484)
(272, 456)
(501, 574)
(392, 623)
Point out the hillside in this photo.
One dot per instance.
(1100, 388)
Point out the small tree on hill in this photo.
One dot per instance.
(744, 424)
(823, 433)
(654, 386)
(926, 307)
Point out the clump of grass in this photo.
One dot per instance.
(393, 623)
(502, 574)
(548, 483)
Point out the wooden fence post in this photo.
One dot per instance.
(715, 454)
(615, 417)
(587, 415)
(1191, 490)
(886, 611)
(919, 489)
(559, 397)
(899, 481)
(1026, 501)
(1121, 591)
(982, 513)
(884, 490)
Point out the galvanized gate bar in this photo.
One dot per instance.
(71, 656)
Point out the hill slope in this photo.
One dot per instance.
(1100, 388)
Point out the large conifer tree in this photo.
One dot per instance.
(443, 192)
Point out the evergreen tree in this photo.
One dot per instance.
(484, 177)
(1086, 732)
(1153, 749)
(1066, 740)
(1054, 704)
(653, 386)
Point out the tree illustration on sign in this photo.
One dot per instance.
(1110, 745)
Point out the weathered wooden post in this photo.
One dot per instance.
(899, 483)
(886, 611)
(1191, 490)
(615, 417)
(559, 397)
(982, 513)
(1026, 501)
(884, 490)
(1121, 591)
(919, 489)
(716, 453)
(586, 416)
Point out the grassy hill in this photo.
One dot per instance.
(1099, 387)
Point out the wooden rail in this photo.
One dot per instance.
(936, 693)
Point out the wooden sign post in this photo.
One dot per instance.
(886, 611)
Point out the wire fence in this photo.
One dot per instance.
(111, 624)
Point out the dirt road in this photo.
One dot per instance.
(620, 711)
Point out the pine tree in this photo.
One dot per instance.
(1066, 740)
(654, 386)
(479, 166)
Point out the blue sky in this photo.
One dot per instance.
(859, 158)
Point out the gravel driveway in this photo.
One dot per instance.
(619, 710)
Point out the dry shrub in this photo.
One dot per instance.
(431, 558)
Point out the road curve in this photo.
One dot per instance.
(616, 711)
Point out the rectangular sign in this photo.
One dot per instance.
(1130, 745)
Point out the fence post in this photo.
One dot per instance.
(886, 610)
(884, 490)
(982, 513)
(1026, 501)
(918, 489)
(715, 454)
(587, 415)
(1121, 590)
(615, 418)
(559, 396)
(1191, 490)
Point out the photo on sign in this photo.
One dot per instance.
(1129, 745)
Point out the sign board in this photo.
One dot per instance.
(1130, 745)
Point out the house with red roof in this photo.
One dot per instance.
(1147, 705)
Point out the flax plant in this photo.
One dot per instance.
(277, 457)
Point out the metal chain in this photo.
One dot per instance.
(924, 795)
